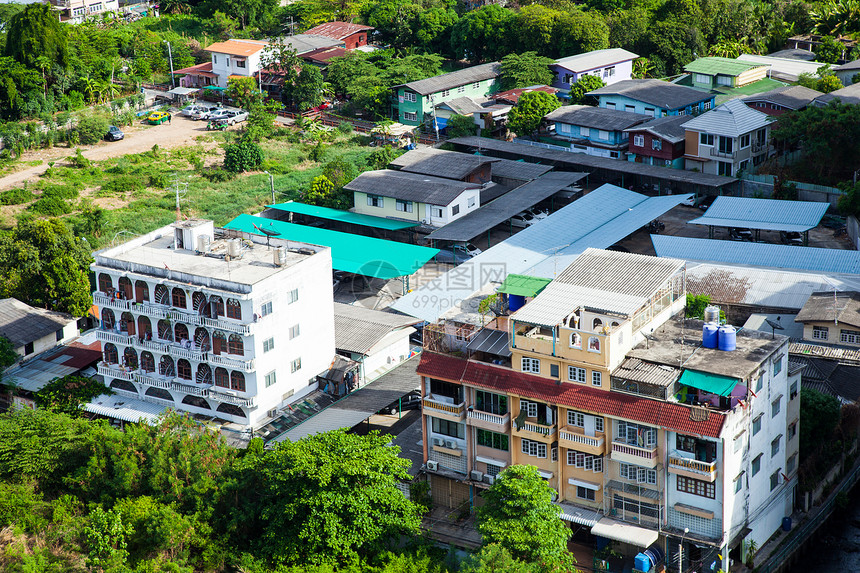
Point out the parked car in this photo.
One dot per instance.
(202, 112)
(791, 238)
(523, 220)
(157, 117)
(538, 213)
(473, 250)
(740, 234)
(411, 401)
(114, 134)
(229, 117)
(706, 202)
(455, 254)
(689, 201)
(188, 111)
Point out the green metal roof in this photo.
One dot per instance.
(713, 383)
(350, 253)
(714, 65)
(344, 216)
(523, 285)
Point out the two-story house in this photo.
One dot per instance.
(427, 200)
(831, 318)
(235, 58)
(352, 35)
(782, 100)
(655, 431)
(727, 139)
(596, 131)
(610, 65)
(416, 102)
(653, 97)
(714, 72)
(660, 141)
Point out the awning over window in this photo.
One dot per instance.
(611, 529)
(579, 515)
(707, 382)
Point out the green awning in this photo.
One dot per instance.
(215, 88)
(523, 285)
(350, 253)
(344, 216)
(707, 382)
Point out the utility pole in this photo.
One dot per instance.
(180, 189)
(272, 183)
(170, 57)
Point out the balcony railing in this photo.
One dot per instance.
(113, 337)
(489, 418)
(634, 454)
(185, 316)
(193, 389)
(759, 146)
(151, 309)
(234, 363)
(543, 429)
(453, 409)
(229, 399)
(152, 379)
(582, 439)
(189, 354)
(115, 371)
(715, 152)
(162, 401)
(705, 469)
(102, 300)
(152, 345)
(238, 328)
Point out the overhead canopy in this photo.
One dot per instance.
(611, 529)
(579, 515)
(503, 208)
(350, 253)
(523, 285)
(182, 91)
(765, 214)
(343, 216)
(215, 88)
(712, 383)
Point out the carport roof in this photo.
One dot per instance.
(503, 208)
(343, 216)
(351, 253)
(765, 214)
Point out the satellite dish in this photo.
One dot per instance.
(268, 232)
(774, 324)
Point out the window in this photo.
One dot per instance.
(183, 369)
(777, 364)
(222, 378)
(657, 144)
(536, 449)
(774, 480)
(707, 105)
(493, 470)
(593, 344)
(493, 440)
(410, 97)
(448, 428)
(609, 72)
(575, 419)
(739, 442)
(726, 145)
(792, 390)
(820, 332)
(270, 378)
(584, 131)
(476, 85)
(530, 408)
(757, 425)
(436, 211)
(744, 165)
(696, 487)
(724, 80)
(602, 134)
(375, 201)
(701, 78)
(775, 406)
(637, 474)
(585, 461)
(553, 370)
(850, 336)
(234, 310)
(792, 430)
(651, 111)
(59, 335)
(584, 493)
(791, 464)
(461, 89)
(575, 374)
(630, 108)
(636, 435)
(227, 61)
(531, 365)
(96, 7)
(553, 454)
(774, 446)
(455, 210)
(79, 11)
(575, 340)
(240, 63)
(610, 105)
(403, 206)
(266, 309)
(214, 59)
(28, 349)
(237, 381)
(293, 296)
(492, 403)
(724, 168)
(295, 330)
(296, 365)
(706, 139)
(739, 482)
(756, 465)
(759, 383)
(470, 202)
(268, 344)
(598, 424)
(178, 298)
(596, 378)
(410, 116)
(745, 141)
(639, 140)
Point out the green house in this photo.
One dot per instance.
(416, 101)
(713, 72)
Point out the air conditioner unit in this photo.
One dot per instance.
(437, 441)
(432, 466)
(475, 475)
(272, 413)
(450, 444)
(230, 393)
(490, 479)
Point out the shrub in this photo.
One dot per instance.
(345, 127)
(158, 180)
(51, 206)
(68, 191)
(79, 160)
(122, 184)
(91, 128)
(243, 156)
(16, 196)
(219, 175)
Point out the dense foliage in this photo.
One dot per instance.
(525, 118)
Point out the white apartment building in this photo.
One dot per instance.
(214, 322)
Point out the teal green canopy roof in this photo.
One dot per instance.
(713, 383)
(523, 285)
(344, 216)
(350, 253)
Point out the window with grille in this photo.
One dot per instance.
(639, 140)
(493, 470)
(535, 449)
(598, 424)
(410, 97)
(849, 336)
(585, 461)
(575, 374)
(237, 381)
(531, 408)
(222, 378)
(375, 200)
(636, 435)
(403, 206)
(696, 487)
(178, 298)
(183, 367)
(637, 474)
(584, 493)
(596, 379)
(531, 365)
(575, 419)
(234, 310)
(410, 116)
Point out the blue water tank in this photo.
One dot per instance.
(709, 335)
(728, 338)
(786, 524)
(515, 302)
(641, 562)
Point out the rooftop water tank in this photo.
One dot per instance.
(712, 314)
(642, 562)
(709, 335)
(728, 338)
(515, 302)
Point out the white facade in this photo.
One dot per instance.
(228, 333)
(236, 58)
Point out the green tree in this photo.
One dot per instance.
(66, 395)
(482, 34)
(242, 156)
(849, 201)
(105, 538)
(8, 356)
(524, 70)
(584, 85)
(577, 31)
(524, 119)
(519, 515)
(91, 128)
(17, 84)
(830, 49)
(36, 32)
(828, 83)
(306, 92)
(461, 125)
(321, 191)
(331, 497)
(43, 264)
(495, 558)
(696, 305)
(381, 157)
(820, 415)
(244, 91)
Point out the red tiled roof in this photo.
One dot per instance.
(337, 30)
(512, 96)
(323, 55)
(204, 67)
(654, 412)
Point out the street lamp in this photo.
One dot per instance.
(170, 57)
(272, 183)
(681, 551)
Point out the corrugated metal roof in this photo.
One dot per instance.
(731, 119)
(440, 163)
(22, 323)
(595, 59)
(758, 254)
(338, 30)
(578, 515)
(454, 79)
(125, 409)
(848, 94)
(666, 95)
(850, 66)
(520, 170)
(646, 372)
(596, 117)
(409, 186)
(791, 329)
(829, 305)
(791, 97)
(343, 216)
(604, 217)
(766, 214)
(788, 67)
(357, 329)
(491, 341)
(713, 65)
(668, 127)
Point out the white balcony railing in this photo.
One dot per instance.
(538, 428)
(236, 327)
(695, 466)
(185, 316)
(102, 300)
(162, 401)
(193, 389)
(189, 354)
(487, 417)
(594, 442)
(151, 345)
(115, 371)
(152, 379)
(113, 337)
(234, 363)
(628, 450)
(230, 399)
(151, 309)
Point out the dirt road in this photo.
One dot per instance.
(138, 138)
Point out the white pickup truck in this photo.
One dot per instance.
(230, 117)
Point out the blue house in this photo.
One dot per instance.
(654, 97)
(594, 130)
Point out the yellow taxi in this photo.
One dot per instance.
(157, 117)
